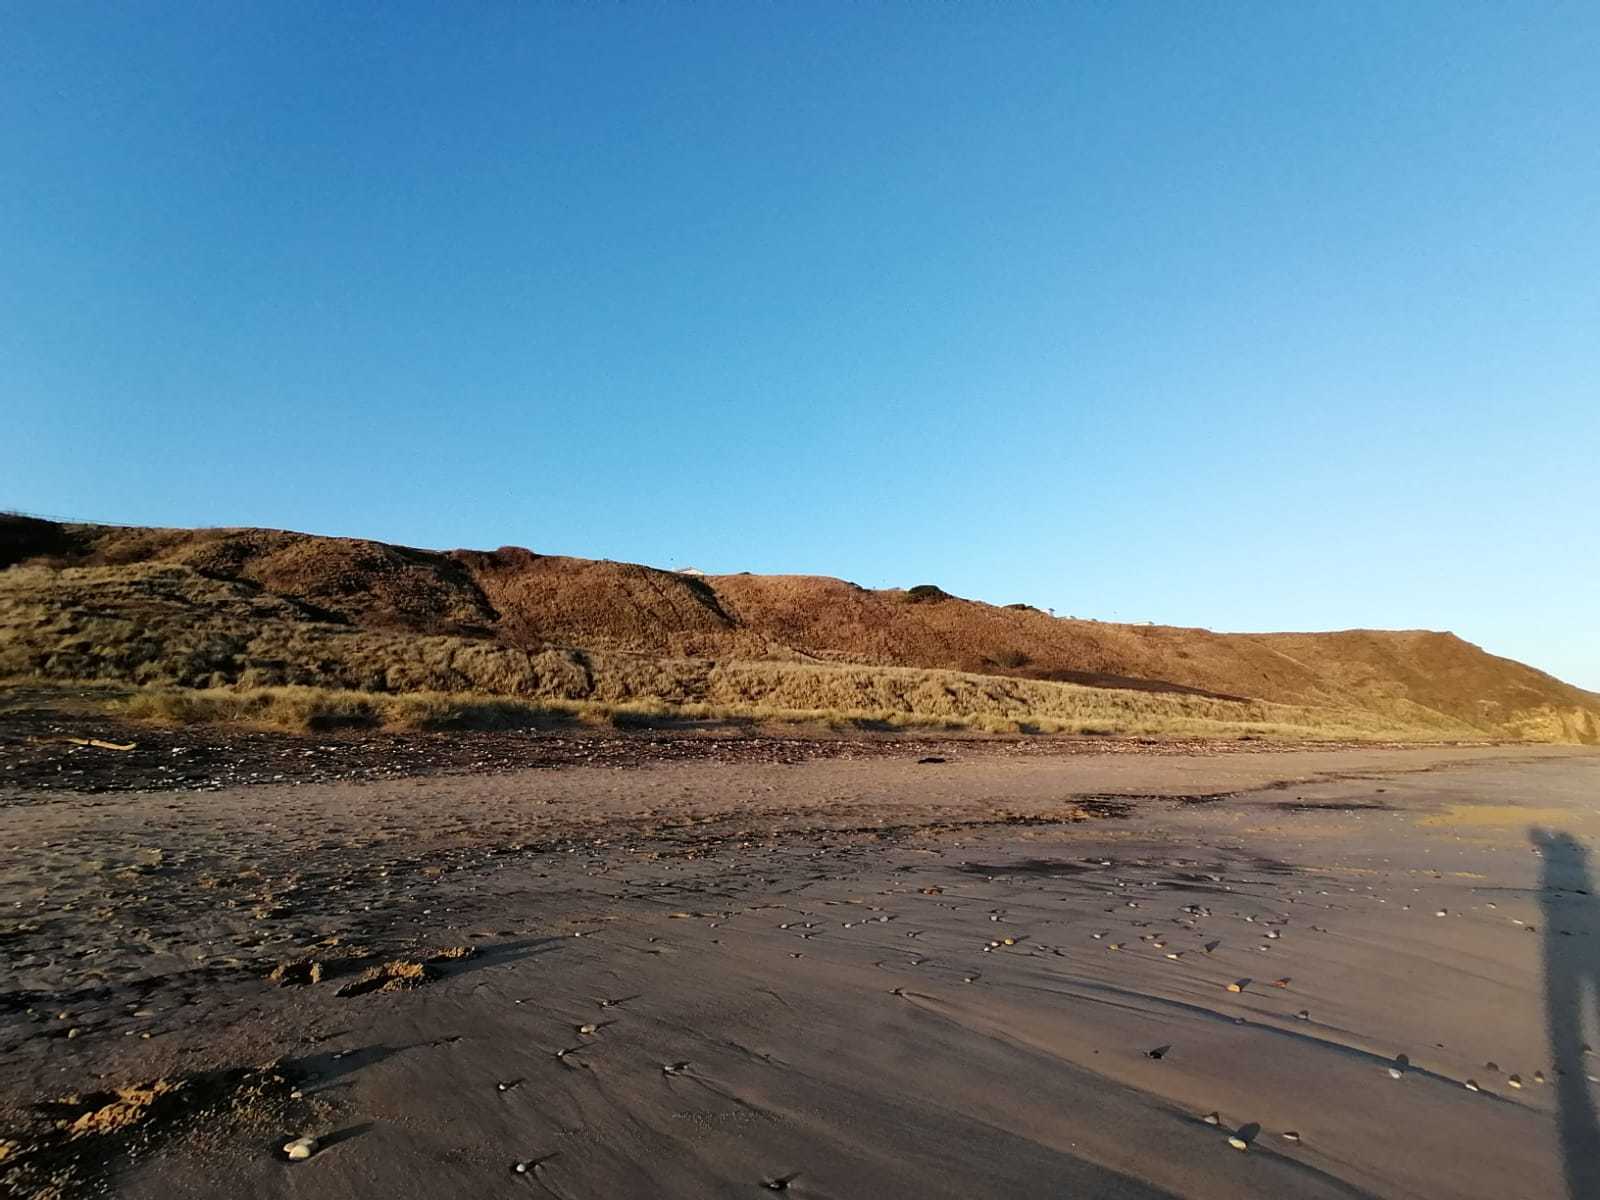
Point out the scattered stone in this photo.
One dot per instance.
(301, 1148)
(1212, 1118)
(1291, 1135)
(1238, 985)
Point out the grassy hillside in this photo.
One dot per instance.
(264, 608)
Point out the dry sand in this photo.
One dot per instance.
(882, 978)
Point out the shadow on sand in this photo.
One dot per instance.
(1571, 996)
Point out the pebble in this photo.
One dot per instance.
(1237, 1142)
(1515, 1081)
(1291, 1135)
(1212, 1118)
(300, 1148)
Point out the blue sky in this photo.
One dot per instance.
(1250, 316)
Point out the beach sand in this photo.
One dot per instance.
(997, 975)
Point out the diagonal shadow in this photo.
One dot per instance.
(1571, 993)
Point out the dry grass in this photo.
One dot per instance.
(1096, 712)
(220, 650)
(266, 608)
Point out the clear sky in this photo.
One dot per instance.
(1250, 316)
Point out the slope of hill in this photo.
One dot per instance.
(506, 611)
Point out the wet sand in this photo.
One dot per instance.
(998, 975)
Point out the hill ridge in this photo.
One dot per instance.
(536, 603)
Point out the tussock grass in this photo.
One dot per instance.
(322, 709)
(205, 649)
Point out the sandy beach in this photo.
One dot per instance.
(999, 974)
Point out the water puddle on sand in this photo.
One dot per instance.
(1494, 816)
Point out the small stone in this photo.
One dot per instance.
(300, 1148)
(1472, 1086)
(1515, 1081)
(1291, 1135)
(1237, 1142)
(1212, 1118)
